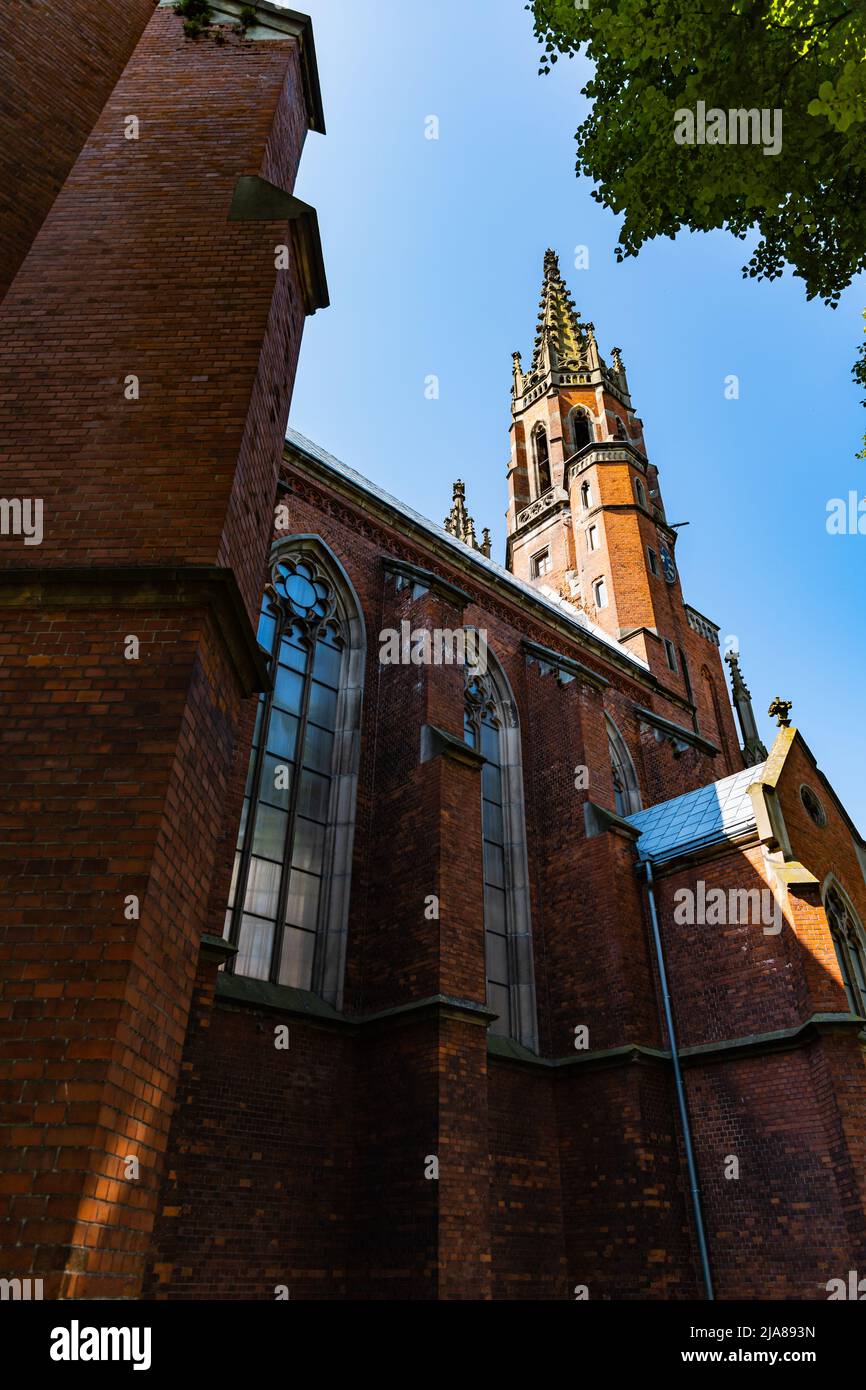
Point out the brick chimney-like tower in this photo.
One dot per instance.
(148, 345)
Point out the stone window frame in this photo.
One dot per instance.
(535, 563)
(517, 895)
(329, 960)
(620, 757)
(600, 584)
(581, 412)
(537, 430)
(849, 942)
(819, 819)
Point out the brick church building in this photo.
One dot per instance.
(381, 922)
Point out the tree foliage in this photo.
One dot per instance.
(805, 58)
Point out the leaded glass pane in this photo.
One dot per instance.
(491, 782)
(288, 690)
(494, 865)
(494, 909)
(276, 783)
(318, 748)
(498, 998)
(263, 882)
(234, 883)
(269, 836)
(497, 957)
(323, 705)
(296, 966)
(492, 822)
(255, 944)
(327, 663)
(282, 734)
(313, 796)
(309, 845)
(490, 743)
(302, 904)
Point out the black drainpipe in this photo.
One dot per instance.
(678, 1086)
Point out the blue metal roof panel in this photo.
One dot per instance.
(720, 811)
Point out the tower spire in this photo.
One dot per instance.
(562, 339)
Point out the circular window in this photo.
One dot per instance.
(308, 596)
(814, 809)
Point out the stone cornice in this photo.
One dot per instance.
(676, 732)
(438, 743)
(301, 1003)
(598, 820)
(730, 1049)
(566, 668)
(605, 451)
(427, 580)
(276, 22)
(256, 200)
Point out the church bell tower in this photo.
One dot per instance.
(586, 520)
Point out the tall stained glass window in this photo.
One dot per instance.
(285, 842)
(491, 726)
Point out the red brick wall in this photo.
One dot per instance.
(627, 1226)
(526, 1209)
(137, 270)
(256, 1193)
(112, 769)
(793, 1218)
(58, 65)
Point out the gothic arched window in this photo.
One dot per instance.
(491, 727)
(850, 944)
(625, 784)
(581, 429)
(640, 492)
(542, 459)
(586, 495)
(289, 893)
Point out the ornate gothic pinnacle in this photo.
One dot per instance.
(459, 523)
(753, 749)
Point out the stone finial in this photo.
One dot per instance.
(459, 523)
(780, 709)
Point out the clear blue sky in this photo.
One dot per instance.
(434, 255)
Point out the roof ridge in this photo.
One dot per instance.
(561, 607)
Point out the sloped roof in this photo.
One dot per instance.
(560, 606)
(720, 811)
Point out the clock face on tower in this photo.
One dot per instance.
(667, 559)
